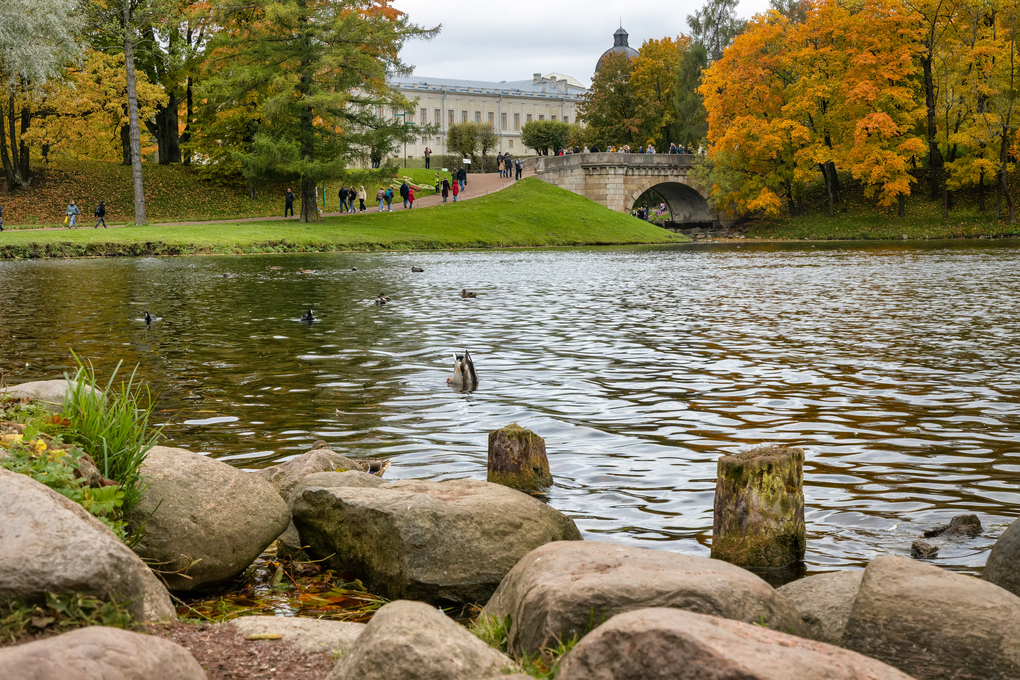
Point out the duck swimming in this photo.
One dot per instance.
(417, 269)
(382, 299)
(464, 377)
(465, 293)
(308, 316)
(149, 318)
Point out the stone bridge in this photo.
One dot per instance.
(617, 180)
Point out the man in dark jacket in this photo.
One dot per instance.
(100, 215)
(404, 192)
(289, 207)
(462, 178)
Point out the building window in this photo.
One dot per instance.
(463, 116)
(492, 122)
(502, 121)
(552, 117)
(517, 121)
(424, 140)
(529, 118)
(511, 143)
(566, 119)
(478, 117)
(424, 116)
(451, 116)
(439, 117)
(541, 116)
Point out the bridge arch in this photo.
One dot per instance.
(686, 204)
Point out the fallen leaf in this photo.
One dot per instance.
(264, 636)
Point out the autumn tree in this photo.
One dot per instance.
(653, 84)
(315, 72)
(715, 25)
(37, 37)
(691, 117)
(609, 108)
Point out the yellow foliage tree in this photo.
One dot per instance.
(653, 85)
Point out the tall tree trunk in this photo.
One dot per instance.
(934, 154)
(824, 167)
(26, 121)
(165, 128)
(1009, 198)
(5, 156)
(903, 205)
(14, 154)
(186, 135)
(136, 141)
(981, 192)
(309, 207)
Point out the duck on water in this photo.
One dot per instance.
(464, 377)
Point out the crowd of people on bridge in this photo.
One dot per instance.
(625, 148)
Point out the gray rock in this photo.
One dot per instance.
(672, 644)
(50, 393)
(287, 474)
(206, 514)
(414, 641)
(967, 526)
(923, 550)
(935, 624)
(289, 544)
(824, 602)
(99, 653)
(1003, 566)
(433, 541)
(49, 544)
(563, 590)
(310, 635)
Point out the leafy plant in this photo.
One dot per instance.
(111, 423)
(494, 631)
(61, 613)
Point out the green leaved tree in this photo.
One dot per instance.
(312, 76)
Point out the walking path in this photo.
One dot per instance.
(477, 185)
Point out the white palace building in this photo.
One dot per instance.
(506, 106)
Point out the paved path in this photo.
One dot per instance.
(477, 185)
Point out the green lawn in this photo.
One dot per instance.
(527, 214)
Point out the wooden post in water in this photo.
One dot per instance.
(517, 459)
(759, 508)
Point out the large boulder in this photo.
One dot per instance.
(563, 590)
(49, 393)
(935, 624)
(1003, 566)
(289, 544)
(672, 644)
(309, 635)
(98, 653)
(415, 641)
(204, 518)
(824, 602)
(50, 544)
(450, 541)
(285, 476)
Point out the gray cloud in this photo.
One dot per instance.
(511, 40)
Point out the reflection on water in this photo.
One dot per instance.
(894, 365)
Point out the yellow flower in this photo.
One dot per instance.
(40, 446)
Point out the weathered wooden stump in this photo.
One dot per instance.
(517, 459)
(759, 508)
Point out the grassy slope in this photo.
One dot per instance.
(530, 213)
(858, 218)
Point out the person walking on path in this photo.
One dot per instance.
(362, 197)
(389, 199)
(1, 217)
(342, 195)
(446, 189)
(351, 195)
(462, 178)
(289, 204)
(380, 196)
(410, 197)
(499, 163)
(456, 190)
(404, 189)
(428, 157)
(72, 213)
(520, 169)
(101, 215)
(508, 164)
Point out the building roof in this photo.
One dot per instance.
(620, 46)
(553, 85)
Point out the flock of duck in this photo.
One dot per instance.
(464, 377)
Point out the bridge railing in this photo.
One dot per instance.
(588, 160)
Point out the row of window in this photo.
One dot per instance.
(478, 118)
(425, 140)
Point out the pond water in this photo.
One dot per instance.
(894, 366)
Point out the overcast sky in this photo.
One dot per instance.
(513, 39)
